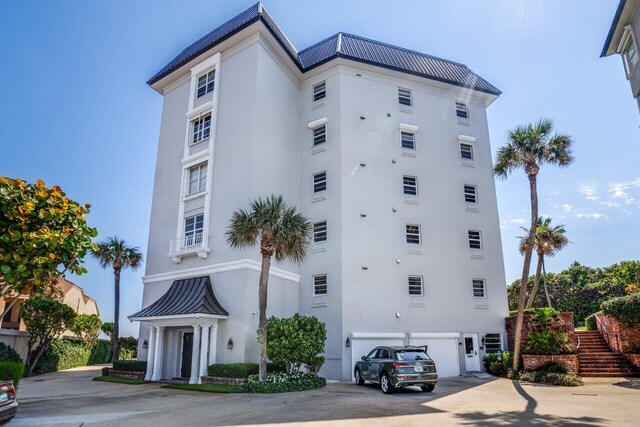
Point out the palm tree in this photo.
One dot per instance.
(114, 252)
(279, 230)
(529, 147)
(548, 241)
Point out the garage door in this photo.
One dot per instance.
(363, 342)
(443, 349)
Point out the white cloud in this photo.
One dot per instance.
(573, 211)
(589, 192)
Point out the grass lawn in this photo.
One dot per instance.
(581, 328)
(209, 388)
(120, 380)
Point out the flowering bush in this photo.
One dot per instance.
(282, 382)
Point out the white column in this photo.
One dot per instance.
(204, 349)
(194, 355)
(151, 347)
(157, 360)
(213, 342)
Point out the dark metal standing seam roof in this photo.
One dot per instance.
(340, 45)
(186, 296)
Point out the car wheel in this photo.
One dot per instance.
(358, 377)
(427, 388)
(385, 384)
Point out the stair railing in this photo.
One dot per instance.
(608, 334)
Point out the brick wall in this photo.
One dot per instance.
(221, 380)
(621, 338)
(570, 361)
(510, 325)
(127, 374)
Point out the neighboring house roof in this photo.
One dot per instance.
(341, 45)
(185, 296)
(625, 7)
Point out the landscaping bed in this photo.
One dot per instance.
(120, 380)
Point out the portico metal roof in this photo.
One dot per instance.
(341, 45)
(186, 296)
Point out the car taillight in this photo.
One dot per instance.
(400, 365)
(12, 393)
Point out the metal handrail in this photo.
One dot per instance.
(189, 242)
(578, 337)
(606, 331)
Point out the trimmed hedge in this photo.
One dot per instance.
(12, 370)
(240, 370)
(590, 323)
(67, 354)
(8, 354)
(105, 371)
(624, 309)
(283, 383)
(130, 365)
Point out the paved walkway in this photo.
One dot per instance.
(71, 398)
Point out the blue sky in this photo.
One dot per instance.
(75, 110)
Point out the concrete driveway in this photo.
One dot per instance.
(71, 398)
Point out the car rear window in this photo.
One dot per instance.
(412, 355)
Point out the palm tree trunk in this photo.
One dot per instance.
(262, 320)
(544, 283)
(525, 270)
(536, 281)
(116, 315)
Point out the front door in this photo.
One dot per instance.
(472, 358)
(187, 351)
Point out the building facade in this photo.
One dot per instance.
(622, 39)
(384, 149)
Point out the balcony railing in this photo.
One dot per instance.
(190, 243)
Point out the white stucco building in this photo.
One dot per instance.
(386, 150)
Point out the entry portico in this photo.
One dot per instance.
(184, 320)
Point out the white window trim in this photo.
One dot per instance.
(411, 197)
(313, 92)
(321, 193)
(317, 123)
(628, 33)
(198, 192)
(466, 109)
(404, 106)
(408, 128)
(419, 235)
(481, 248)
(484, 288)
(464, 194)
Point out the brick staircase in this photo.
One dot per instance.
(597, 359)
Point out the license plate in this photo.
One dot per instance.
(3, 397)
(418, 369)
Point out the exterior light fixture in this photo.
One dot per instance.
(145, 344)
(398, 315)
(230, 344)
(347, 343)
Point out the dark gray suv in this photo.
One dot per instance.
(393, 367)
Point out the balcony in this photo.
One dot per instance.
(191, 244)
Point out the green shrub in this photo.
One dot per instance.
(283, 383)
(624, 309)
(8, 354)
(550, 373)
(105, 371)
(590, 323)
(547, 342)
(13, 371)
(240, 370)
(130, 365)
(128, 347)
(498, 364)
(553, 368)
(544, 311)
(67, 354)
(126, 354)
(296, 341)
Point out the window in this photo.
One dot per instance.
(413, 234)
(416, 287)
(479, 290)
(470, 193)
(320, 135)
(410, 184)
(384, 354)
(408, 140)
(320, 232)
(193, 230)
(475, 240)
(493, 343)
(461, 110)
(630, 52)
(201, 129)
(319, 182)
(197, 179)
(404, 96)
(466, 151)
(319, 91)
(320, 284)
(206, 83)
